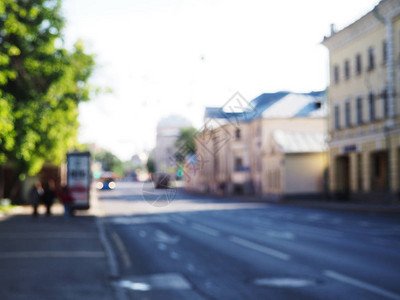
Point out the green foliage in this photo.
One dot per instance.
(109, 162)
(41, 85)
(186, 143)
(151, 166)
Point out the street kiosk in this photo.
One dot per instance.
(79, 178)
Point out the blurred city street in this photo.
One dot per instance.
(204, 248)
(199, 149)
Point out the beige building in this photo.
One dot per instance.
(234, 151)
(364, 108)
(296, 163)
(168, 131)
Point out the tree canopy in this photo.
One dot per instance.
(186, 143)
(109, 162)
(41, 85)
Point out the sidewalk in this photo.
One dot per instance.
(52, 258)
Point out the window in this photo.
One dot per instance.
(385, 100)
(336, 74)
(358, 64)
(384, 51)
(238, 163)
(359, 111)
(371, 102)
(346, 69)
(371, 59)
(337, 120)
(237, 134)
(347, 114)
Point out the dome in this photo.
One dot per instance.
(174, 121)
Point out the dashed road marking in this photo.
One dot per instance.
(259, 248)
(161, 236)
(316, 230)
(205, 229)
(178, 219)
(360, 284)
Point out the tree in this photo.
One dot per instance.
(41, 85)
(150, 165)
(186, 143)
(110, 162)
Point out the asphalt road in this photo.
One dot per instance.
(173, 246)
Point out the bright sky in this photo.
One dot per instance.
(163, 57)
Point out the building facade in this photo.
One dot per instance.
(363, 96)
(234, 154)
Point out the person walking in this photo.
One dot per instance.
(36, 195)
(49, 196)
(66, 198)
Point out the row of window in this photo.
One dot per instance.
(358, 66)
(371, 102)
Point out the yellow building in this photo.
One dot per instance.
(364, 108)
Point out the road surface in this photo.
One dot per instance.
(169, 245)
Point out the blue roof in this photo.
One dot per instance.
(306, 110)
(277, 102)
(264, 101)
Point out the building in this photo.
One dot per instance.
(295, 165)
(168, 131)
(234, 151)
(363, 98)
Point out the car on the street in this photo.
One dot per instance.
(106, 181)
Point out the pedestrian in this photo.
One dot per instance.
(36, 194)
(66, 198)
(49, 196)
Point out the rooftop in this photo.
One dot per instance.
(300, 142)
(275, 105)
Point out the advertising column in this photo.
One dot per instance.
(79, 178)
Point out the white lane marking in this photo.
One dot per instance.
(314, 230)
(286, 235)
(138, 220)
(361, 284)
(136, 286)
(53, 254)
(259, 248)
(161, 236)
(122, 249)
(205, 229)
(178, 219)
(284, 282)
(166, 281)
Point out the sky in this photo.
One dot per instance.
(168, 57)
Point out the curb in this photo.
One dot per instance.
(114, 272)
(322, 204)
